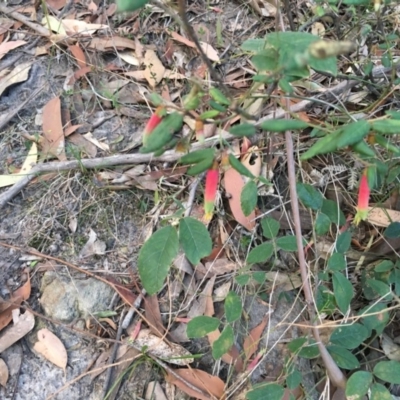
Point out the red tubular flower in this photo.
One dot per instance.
(210, 191)
(154, 120)
(363, 200)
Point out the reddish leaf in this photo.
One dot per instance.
(78, 54)
(7, 46)
(208, 385)
(53, 141)
(56, 4)
(252, 341)
(153, 315)
(126, 294)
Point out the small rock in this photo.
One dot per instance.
(66, 300)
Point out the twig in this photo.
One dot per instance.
(129, 315)
(113, 355)
(41, 30)
(335, 374)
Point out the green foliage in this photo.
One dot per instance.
(392, 231)
(353, 133)
(343, 291)
(270, 227)
(261, 253)
(200, 326)
(287, 243)
(194, 239)
(343, 242)
(309, 196)
(304, 347)
(343, 357)
(233, 307)
(379, 392)
(224, 343)
(322, 224)
(248, 197)
(271, 391)
(130, 5)
(388, 371)
(358, 385)
(282, 125)
(202, 160)
(155, 257)
(336, 262)
(239, 167)
(349, 336)
(375, 317)
(244, 129)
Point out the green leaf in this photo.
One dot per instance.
(322, 224)
(130, 5)
(377, 317)
(163, 132)
(343, 242)
(363, 149)
(270, 391)
(379, 289)
(194, 239)
(197, 156)
(261, 253)
(384, 266)
(270, 227)
(325, 145)
(353, 133)
(387, 126)
(392, 231)
(200, 167)
(209, 114)
(309, 196)
(343, 291)
(216, 106)
(304, 347)
(244, 129)
(386, 144)
(282, 125)
(254, 45)
(199, 327)
(242, 280)
(336, 262)
(248, 197)
(294, 379)
(343, 357)
(358, 384)
(218, 96)
(291, 43)
(379, 392)
(349, 336)
(287, 243)
(155, 257)
(233, 307)
(236, 164)
(388, 371)
(265, 63)
(224, 343)
(333, 211)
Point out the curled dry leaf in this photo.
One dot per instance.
(209, 386)
(5, 47)
(74, 26)
(13, 333)
(30, 161)
(233, 186)
(210, 52)
(155, 70)
(51, 348)
(115, 42)
(3, 373)
(93, 246)
(172, 353)
(153, 315)
(391, 349)
(18, 74)
(53, 134)
(78, 54)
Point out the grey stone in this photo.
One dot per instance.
(66, 299)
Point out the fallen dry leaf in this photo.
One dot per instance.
(74, 26)
(251, 342)
(234, 184)
(172, 353)
(154, 391)
(56, 4)
(3, 373)
(179, 38)
(220, 266)
(13, 333)
(30, 161)
(54, 25)
(18, 74)
(382, 217)
(155, 70)
(53, 142)
(83, 144)
(209, 385)
(78, 54)
(153, 315)
(5, 47)
(92, 246)
(125, 293)
(210, 52)
(222, 291)
(51, 348)
(116, 42)
(100, 145)
(129, 57)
